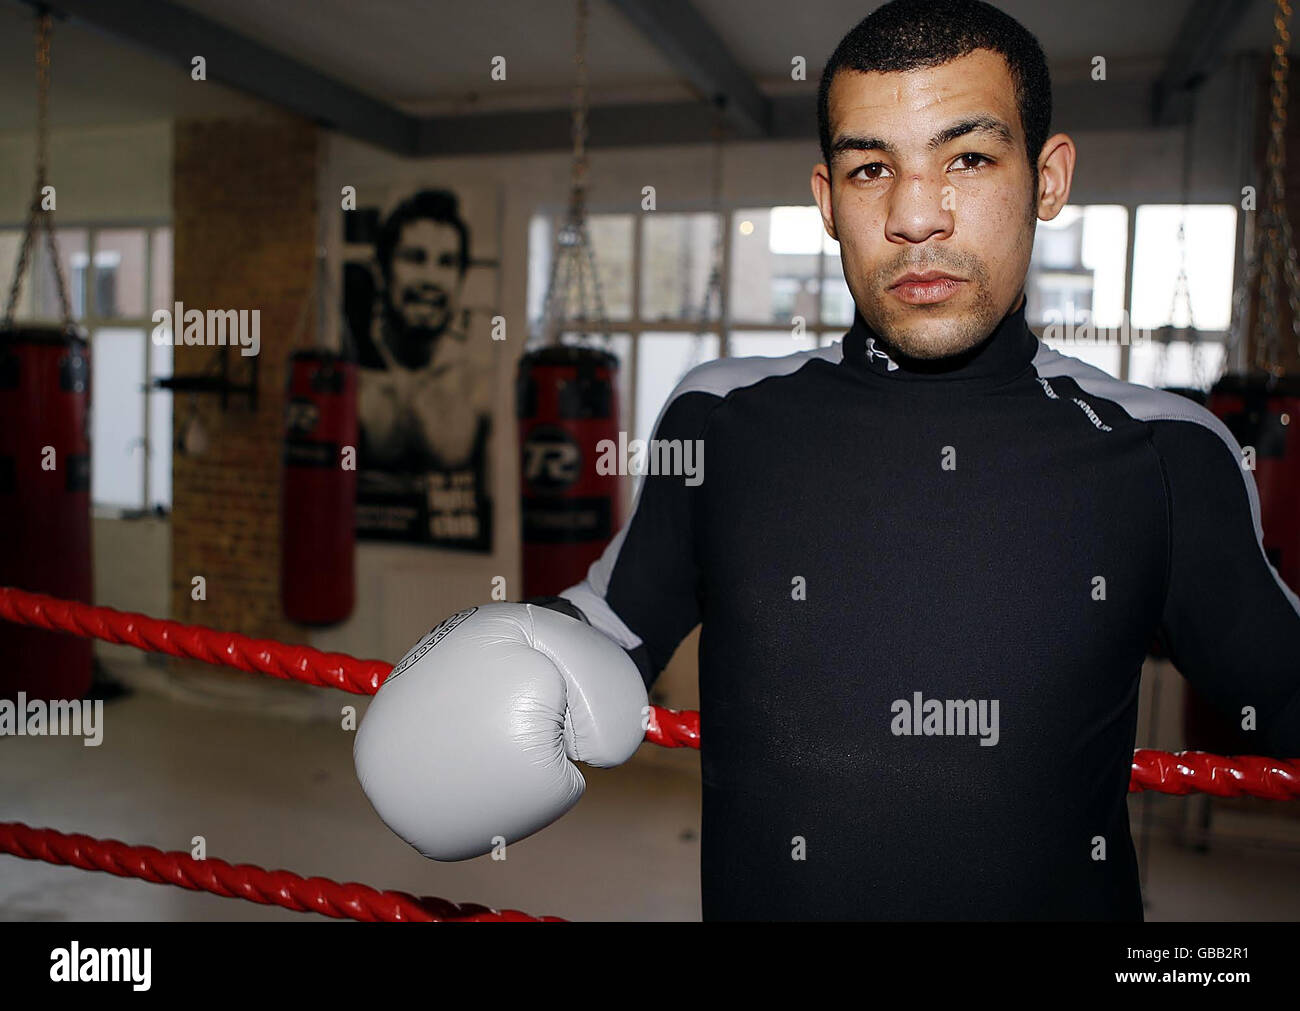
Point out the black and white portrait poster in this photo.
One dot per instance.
(419, 292)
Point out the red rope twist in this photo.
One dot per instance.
(194, 642)
(243, 881)
(673, 728)
(1159, 771)
(1193, 771)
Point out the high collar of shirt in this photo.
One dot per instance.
(1000, 357)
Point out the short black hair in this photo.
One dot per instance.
(911, 34)
(435, 205)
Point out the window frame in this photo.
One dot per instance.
(91, 322)
(636, 326)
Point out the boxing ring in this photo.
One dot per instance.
(1157, 771)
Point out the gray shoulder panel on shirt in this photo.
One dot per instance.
(725, 375)
(1142, 403)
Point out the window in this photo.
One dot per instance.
(776, 265)
(663, 291)
(1189, 325)
(116, 277)
(786, 292)
(1076, 276)
(677, 257)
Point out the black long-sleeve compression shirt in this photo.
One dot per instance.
(926, 596)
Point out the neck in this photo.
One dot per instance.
(1000, 356)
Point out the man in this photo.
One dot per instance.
(422, 401)
(927, 562)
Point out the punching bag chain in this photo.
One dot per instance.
(573, 260)
(1276, 241)
(37, 217)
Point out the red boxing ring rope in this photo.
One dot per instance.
(1182, 773)
(194, 642)
(243, 881)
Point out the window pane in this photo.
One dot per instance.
(1076, 271)
(837, 300)
(662, 360)
(677, 258)
(1105, 356)
(1178, 363)
(160, 293)
(76, 270)
(774, 264)
(160, 429)
(118, 279)
(117, 417)
(1210, 247)
(745, 344)
(611, 241)
(540, 243)
(11, 240)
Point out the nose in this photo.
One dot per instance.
(920, 209)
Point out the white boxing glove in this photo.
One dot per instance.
(474, 733)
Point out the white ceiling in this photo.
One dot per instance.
(97, 81)
(431, 56)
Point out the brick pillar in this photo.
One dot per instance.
(244, 201)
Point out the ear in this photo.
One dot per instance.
(821, 189)
(1055, 173)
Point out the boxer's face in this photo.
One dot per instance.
(928, 175)
(425, 275)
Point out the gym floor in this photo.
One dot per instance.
(280, 792)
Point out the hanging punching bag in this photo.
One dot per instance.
(567, 403)
(1264, 413)
(45, 501)
(319, 489)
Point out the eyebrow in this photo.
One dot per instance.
(990, 125)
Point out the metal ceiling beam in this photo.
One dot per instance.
(1198, 49)
(178, 35)
(694, 48)
(609, 126)
(1076, 106)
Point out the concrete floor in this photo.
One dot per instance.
(281, 793)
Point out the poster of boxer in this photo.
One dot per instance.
(419, 291)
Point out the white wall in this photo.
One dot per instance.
(101, 174)
(132, 560)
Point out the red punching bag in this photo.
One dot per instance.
(1264, 412)
(45, 502)
(319, 489)
(567, 403)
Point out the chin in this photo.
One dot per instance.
(921, 335)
